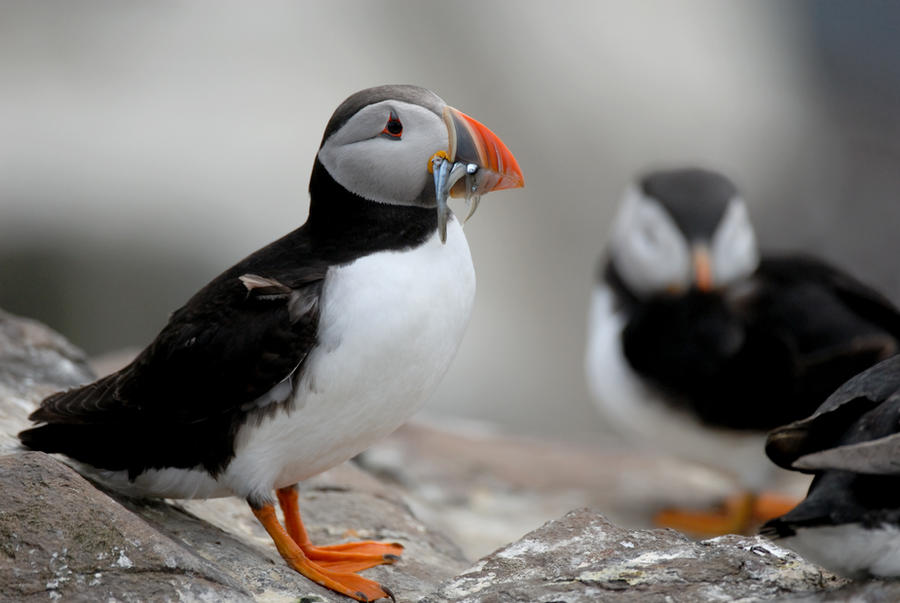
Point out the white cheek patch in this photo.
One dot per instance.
(371, 171)
(647, 247)
(733, 248)
(381, 169)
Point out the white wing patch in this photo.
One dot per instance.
(254, 281)
(302, 301)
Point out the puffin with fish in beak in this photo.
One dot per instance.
(304, 353)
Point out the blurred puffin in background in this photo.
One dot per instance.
(850, 519)
(697, 345)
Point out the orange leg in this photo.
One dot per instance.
(769, 505)
(739, 514)
(357, 587)
(733, 517)
(345, 557)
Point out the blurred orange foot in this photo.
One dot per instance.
(733, 517)
(769, 505)
(739, 514)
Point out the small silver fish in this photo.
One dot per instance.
(446, 174)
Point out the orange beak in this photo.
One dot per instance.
(703, 276)
(476, 163)
(471, 142)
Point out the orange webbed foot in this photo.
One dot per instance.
(335, 577)
(354, 556)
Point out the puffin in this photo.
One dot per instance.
(849, 521)
(698, 344)
(304, 353)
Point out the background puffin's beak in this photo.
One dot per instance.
(703, 276)
(472, 142)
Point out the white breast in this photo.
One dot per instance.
(390, 325)
(850, 549)
(641, 413)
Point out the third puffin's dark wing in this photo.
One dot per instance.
(851, 443)
(869, 403)
(838, 498)
(236, 347)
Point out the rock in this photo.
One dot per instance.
(32, 354)
(61, 537)
(583, 557)
(64, 538)
(35, 361)
(338, 505)
(486, 489)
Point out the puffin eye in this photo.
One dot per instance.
(393, 129)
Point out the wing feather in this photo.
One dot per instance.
(237, 347)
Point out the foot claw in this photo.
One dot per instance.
(389, 592)
(390, 557)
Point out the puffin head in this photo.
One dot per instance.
(403, 145)
(682, 229)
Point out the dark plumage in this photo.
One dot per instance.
(850, 518)
(199, 380)
(764, 351)
(695, 199)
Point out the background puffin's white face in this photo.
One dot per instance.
(369, 157)
(733, 248)
(648, 249)
(653, 255)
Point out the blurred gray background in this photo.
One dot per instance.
(146, 146)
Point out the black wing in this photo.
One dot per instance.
(855, 429)
(767, 352)
(852, 444)
(236, 348)
(827, 311)
(841, 497)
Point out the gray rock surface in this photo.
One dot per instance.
(63, 538)
(32, 354)
(486, 489)
(35, 361)
(582, 557)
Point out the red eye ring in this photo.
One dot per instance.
(393, 129)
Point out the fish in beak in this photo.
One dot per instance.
(476, 163)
